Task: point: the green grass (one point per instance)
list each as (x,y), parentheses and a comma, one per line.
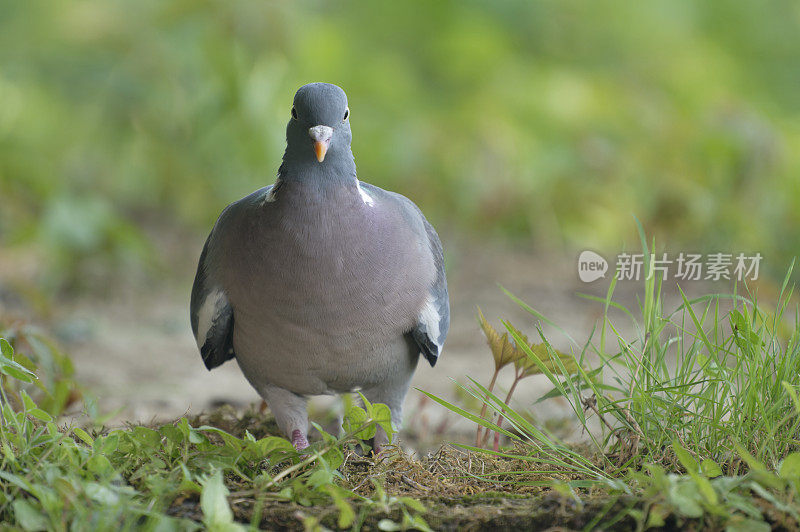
(698,407)
(82,478)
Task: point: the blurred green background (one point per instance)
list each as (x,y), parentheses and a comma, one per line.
(546,123)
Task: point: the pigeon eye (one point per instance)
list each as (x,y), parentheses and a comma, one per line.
(346,114)
(294,113)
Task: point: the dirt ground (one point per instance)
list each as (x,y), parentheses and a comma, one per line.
(133,348)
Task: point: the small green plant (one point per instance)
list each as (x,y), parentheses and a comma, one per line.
(54,387)
(506,352)
(698,409)
(54,478)
(370,417)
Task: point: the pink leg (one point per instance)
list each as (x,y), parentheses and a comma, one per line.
(289,410)
(299,440)
(379,442)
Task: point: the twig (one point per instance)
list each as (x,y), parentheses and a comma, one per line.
(413,483)
(517,378)
(478,436)
(590,403)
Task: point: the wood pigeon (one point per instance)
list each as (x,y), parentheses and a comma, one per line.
(321,283)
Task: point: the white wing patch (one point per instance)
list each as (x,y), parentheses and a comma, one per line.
(210,309)
(429,317)
(270,196)
(366,198)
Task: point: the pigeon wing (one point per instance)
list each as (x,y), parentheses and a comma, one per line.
(433,321)
(211,314)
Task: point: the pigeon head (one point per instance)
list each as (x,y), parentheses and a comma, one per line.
(319,127)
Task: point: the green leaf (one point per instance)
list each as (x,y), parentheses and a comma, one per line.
(686,459)
(415,522)
(685,496)
(334,457)
(108,444)
(102,494)
(749,458)
(387,525)
(758,471)
(383,416)
(11,368)
(40,414)
(790,467)
(173,434)
(743,504)
(8,453)
(319,478)
(414,504)
(28,517)
(354,419)
(146,437)
(190,434)
(17,480)
(379,413)
(705,487)
(793,395)
(743,332)
(100,465)
(657,516)
(709,468)
(29,403)
(739,523)
(346,513)
(5,348)
(83,435)
(187,483)
(214,501)
(230,440)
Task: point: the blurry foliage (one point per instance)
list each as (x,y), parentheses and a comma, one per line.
(54,389)
(149,478)
(553,120)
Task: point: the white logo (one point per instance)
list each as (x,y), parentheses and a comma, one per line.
(591,266)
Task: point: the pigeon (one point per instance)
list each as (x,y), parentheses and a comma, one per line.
(321,284)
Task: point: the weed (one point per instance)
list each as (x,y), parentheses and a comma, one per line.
(699,410)
(60,478)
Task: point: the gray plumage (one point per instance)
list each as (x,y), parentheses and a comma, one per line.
(320,283)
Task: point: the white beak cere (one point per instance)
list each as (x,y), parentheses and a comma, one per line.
(321,135)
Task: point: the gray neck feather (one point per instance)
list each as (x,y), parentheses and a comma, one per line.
(336,171)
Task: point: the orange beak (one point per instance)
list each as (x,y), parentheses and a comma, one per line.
(321,135)
(320,149)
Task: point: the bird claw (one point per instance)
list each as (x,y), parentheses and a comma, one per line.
(382,450)
(299,440)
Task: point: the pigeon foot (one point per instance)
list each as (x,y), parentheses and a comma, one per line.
(299,440)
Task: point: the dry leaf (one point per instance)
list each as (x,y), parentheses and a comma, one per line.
(506,351)
(503,350)
(523,361)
